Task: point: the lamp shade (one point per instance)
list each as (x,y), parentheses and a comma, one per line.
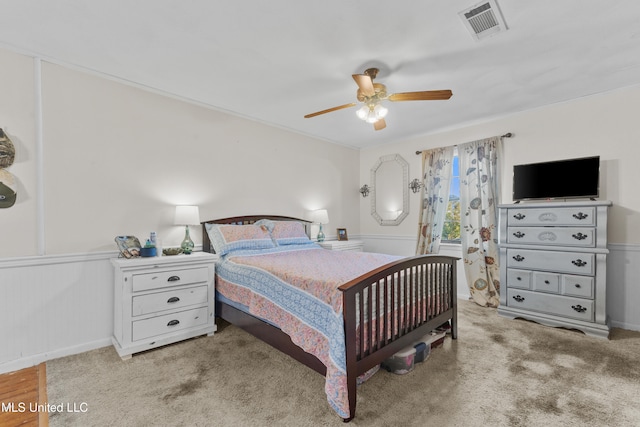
(187,215)
(321,216)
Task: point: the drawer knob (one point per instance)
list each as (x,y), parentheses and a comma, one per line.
(579,236)
(173,322)
(579,308)
(518,278)
(578,285)
(173,279)
(580,216)
(546,282)
(173,300)
(579,263)
(518,258)
(518,298)
(519,234)
(519,216)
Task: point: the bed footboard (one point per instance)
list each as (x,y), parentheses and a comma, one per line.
(393,306)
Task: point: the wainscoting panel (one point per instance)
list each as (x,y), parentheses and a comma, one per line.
(54,306)
(623,286)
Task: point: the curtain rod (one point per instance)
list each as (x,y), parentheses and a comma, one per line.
(506,135)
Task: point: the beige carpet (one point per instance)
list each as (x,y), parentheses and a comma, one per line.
(499,372)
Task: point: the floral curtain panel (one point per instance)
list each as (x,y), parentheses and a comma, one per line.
(479,195)
(436,179)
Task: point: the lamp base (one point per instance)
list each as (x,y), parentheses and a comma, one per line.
(320,234)
(187,244)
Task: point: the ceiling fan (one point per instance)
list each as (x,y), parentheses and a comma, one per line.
(372,94)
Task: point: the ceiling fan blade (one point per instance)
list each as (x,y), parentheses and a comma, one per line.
(427,95)
(380,124)
(329,110)
(365,84)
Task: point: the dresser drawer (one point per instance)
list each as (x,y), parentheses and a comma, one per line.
(563,262)
(167,323)
(558,236)
(579,286)
(520,279)
(169,300)
(552,216)
(546,282)
(165,279)
(575,308)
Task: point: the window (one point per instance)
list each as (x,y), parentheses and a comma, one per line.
(451,227)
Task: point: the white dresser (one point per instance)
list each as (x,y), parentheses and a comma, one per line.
(343,245)
(161,300)
(553,264)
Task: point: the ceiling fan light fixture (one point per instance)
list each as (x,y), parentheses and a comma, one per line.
(380,111)
(363,112)
(371,113)
(372,117)
(371,95)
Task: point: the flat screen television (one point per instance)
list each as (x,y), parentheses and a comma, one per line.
(560,179)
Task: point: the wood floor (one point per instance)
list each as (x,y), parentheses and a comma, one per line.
(21,394)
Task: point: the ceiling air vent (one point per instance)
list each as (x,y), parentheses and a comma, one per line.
(483,20)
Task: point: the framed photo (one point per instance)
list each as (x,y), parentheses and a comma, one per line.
(129,246)
(342,234)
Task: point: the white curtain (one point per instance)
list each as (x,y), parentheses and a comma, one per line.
(479,196)
(436,179)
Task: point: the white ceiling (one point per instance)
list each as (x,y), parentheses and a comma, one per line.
(275,61)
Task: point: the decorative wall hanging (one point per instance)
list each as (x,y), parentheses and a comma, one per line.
(7,181)
(7,189)
(7,150)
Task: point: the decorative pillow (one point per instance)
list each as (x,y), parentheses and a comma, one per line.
(226,237)
(289,233)
(266,223)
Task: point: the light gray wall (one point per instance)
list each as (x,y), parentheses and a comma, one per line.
(116,159)
(604,125)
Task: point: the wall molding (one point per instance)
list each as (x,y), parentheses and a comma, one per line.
(42,260)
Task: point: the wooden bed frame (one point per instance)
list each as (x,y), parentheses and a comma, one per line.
(430,275)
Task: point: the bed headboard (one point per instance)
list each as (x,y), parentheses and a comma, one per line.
(243,220)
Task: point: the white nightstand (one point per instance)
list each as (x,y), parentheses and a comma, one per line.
(343,245)
(161,300)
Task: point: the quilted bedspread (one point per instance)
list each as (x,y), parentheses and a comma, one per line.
(295,288)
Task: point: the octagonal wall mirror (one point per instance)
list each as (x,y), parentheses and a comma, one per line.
(390,193)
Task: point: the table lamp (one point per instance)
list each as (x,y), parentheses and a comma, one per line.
(187,215)
(319,217)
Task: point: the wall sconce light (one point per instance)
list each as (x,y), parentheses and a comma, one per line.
(364,190)
(415,185)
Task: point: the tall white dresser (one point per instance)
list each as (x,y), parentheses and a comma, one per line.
(553,264)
